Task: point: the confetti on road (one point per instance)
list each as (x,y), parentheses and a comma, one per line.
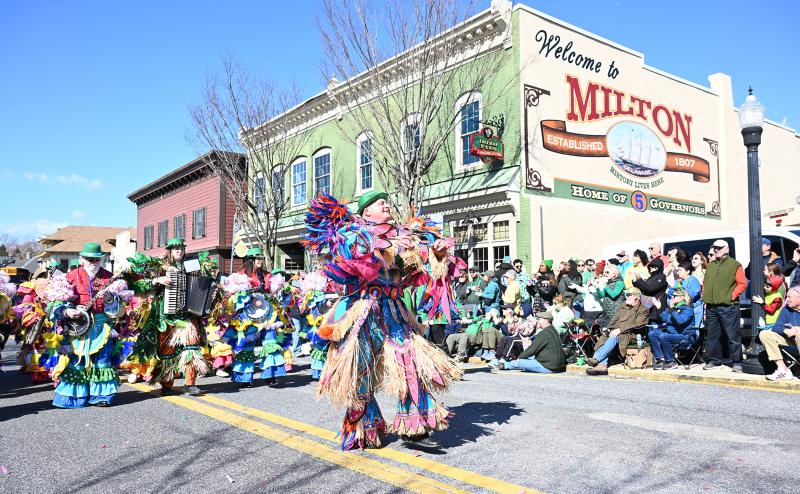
(3,470)
(229,478)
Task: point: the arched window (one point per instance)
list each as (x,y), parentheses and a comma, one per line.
(364,161)
(322,171)
(299,188)
(469,111)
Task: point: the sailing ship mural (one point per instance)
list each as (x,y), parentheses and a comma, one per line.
(636,149)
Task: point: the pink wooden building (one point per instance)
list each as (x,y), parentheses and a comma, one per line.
(192,203)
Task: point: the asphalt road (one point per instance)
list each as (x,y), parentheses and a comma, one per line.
(511,433)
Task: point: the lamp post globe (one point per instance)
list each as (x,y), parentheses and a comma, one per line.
(751,121)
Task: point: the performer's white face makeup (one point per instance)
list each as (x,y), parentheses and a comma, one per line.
(177,254)
(378,212)
(258,263)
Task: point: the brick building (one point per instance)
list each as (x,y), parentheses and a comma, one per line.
(189,202)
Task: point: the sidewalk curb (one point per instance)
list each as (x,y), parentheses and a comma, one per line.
(649,374)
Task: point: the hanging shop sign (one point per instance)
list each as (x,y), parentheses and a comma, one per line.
(486,145)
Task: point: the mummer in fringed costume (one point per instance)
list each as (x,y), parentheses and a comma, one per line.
(313,305)
(90,378)
(375,340)
(175,341)
(275,356)
(32,321)
(7,317)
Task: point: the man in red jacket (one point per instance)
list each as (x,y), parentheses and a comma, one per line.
(90,377)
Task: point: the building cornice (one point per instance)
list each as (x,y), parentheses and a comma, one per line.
(195,170)
(490,30)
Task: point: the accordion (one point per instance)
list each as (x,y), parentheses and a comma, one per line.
(188,293)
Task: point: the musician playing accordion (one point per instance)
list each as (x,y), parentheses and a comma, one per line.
(174,341)
(90,377)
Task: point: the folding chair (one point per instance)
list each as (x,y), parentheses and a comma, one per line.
(581,339)
(791,357)
(692,352)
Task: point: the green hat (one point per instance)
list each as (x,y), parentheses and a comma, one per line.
(74,263)
(370,197)
(91,250)
(254,252)
(175,242)
(276,271)
(52,264)
(548,263)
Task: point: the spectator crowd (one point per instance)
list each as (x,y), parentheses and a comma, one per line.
(660,306)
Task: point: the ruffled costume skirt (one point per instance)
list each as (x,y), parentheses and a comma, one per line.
(89,378)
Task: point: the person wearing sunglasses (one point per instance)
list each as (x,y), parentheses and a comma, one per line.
(724,283)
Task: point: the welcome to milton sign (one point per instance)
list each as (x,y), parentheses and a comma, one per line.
(645,144)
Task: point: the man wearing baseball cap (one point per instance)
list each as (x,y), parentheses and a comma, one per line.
(629,320)
(723,284)
(545,354)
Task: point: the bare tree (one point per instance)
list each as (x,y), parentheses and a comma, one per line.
(234,120)
(404,65)
(19,248)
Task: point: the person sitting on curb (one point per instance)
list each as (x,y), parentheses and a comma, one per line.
(489,335)
(460,342)
(621,330)
(678,320)
(545,355)
(785,332)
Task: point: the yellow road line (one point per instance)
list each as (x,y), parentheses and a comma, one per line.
(367,466)
(460,474)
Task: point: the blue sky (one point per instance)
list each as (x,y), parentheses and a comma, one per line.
(94,95)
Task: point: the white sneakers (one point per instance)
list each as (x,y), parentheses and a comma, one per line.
(781,375)
(222,373)
(132,378)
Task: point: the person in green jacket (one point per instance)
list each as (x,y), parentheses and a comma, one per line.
(545,355)
(460,342)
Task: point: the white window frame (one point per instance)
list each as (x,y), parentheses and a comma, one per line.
(196,233)
(411,119)
(305,183)
(262,194)
(279,180)
(490,243)
(148,237)
(163,239)
(322,152)
(464,100)
(363,137)
(182,233)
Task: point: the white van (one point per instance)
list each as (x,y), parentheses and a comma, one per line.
(784,241)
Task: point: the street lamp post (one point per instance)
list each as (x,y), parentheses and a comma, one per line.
(751,120)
